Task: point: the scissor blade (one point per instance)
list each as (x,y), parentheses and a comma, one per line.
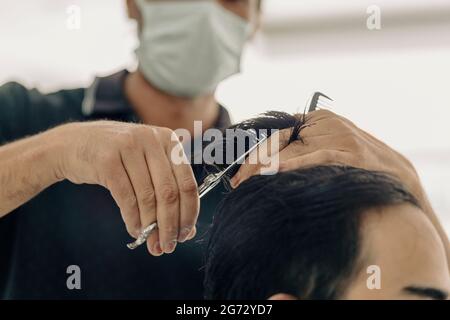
(242,157)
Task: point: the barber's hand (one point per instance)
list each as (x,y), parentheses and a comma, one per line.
(134,163)
(331,139)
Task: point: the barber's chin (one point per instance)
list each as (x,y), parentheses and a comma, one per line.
(282,296)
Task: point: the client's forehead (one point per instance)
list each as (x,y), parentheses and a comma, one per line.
(403,243)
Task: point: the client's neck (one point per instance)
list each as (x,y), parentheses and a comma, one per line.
(157,108)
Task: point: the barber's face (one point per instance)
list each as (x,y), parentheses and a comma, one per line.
(170,33)
(403,243)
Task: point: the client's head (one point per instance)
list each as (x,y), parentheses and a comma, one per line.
(327,232)
(316,233)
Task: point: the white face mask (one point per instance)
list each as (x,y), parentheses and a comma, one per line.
(188,47)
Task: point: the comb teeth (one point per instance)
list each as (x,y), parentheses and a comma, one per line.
(324,103)
(321,101)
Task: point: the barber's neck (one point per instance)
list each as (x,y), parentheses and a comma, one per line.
(157,108)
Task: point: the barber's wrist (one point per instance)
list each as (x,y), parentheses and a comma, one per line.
(55,145)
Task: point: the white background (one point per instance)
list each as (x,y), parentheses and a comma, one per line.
(393,82)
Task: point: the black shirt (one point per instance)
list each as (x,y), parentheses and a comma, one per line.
(70,224)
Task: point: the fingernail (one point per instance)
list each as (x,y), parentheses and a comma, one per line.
(234,180)
(269,171)
(157,251)
(192,234)
(184,234)
(234,184)
(134,233)
(169,247)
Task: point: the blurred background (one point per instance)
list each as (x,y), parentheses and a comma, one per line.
(393,82)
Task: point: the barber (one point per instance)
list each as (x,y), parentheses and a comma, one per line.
(89,171)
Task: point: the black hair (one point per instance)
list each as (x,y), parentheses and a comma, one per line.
(249,132)
(295,232)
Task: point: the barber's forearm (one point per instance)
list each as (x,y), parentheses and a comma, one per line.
(27,167)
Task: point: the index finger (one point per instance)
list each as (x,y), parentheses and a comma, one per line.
(166,191)
(189,201)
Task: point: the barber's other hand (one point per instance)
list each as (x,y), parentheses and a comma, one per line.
(133,162)
(332,139)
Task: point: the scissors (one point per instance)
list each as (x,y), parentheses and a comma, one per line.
(209,183)
(213,179)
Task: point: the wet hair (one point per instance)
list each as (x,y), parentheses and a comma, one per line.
(295,232)
(248,132)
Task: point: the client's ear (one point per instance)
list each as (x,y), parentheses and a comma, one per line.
(282,296)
